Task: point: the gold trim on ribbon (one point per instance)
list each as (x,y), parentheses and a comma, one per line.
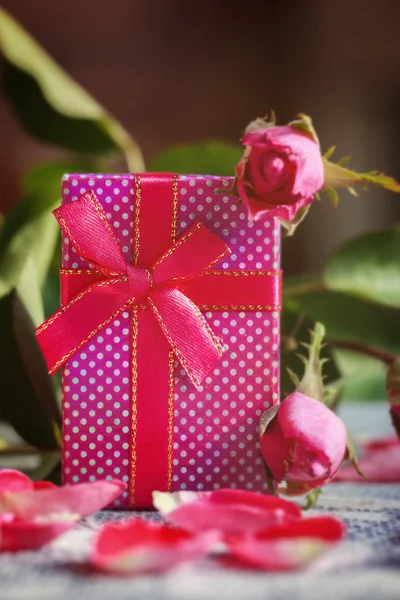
(171,395)
(132,461)
(171,407)
(89,337)
(174,225)
(136,223)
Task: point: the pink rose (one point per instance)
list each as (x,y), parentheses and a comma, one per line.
(280,172)
(304,443)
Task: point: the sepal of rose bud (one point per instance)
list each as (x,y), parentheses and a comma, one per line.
(261,123)
(336,176)
(312,383)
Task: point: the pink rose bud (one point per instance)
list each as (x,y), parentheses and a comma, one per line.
(303,443)
(280,172)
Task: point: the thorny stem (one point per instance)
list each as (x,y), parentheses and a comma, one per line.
(288,342)
(386,357)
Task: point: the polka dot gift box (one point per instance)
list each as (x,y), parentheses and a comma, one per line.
(168,333)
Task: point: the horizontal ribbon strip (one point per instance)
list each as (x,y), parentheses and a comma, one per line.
(217,290)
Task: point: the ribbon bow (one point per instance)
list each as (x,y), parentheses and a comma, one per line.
(123,285)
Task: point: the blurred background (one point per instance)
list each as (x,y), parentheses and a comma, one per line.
(182,71)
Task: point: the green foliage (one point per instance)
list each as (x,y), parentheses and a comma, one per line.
(357,297)
(212,158)
(368,267)
(27,399)
(29,235)
(352,319)
(51,105)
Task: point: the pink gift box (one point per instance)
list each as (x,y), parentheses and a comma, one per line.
(213,427)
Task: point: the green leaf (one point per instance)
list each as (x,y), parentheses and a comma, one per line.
(27,399)
(30,236)
(51,105)
(368,266)
(34,241)
(353,319)
(41,188)
(29,292)
(363,376)
(211,158)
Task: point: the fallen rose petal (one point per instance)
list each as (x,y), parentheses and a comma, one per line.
(325,527)
(381,443)
(166,502)
(232,512)
(138,546)
(82,499)
(380,463)
(14,481)
(17,535)
(43,485)
(290,546)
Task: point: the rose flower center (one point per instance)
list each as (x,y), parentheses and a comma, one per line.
(274,169)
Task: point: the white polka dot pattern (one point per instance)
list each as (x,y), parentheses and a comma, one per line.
(215,426)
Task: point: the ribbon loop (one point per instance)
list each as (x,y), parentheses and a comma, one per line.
(85,224)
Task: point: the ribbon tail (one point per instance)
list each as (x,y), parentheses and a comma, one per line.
(76,323)
(188,333)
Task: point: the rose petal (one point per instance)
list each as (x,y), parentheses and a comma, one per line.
(325,527)
(137,546)
(277,555)
(381,443)
(380,463)
(232,512)
(165,502)
(43,485)
(13,481)
(82,499)
(287,547)
(16,535)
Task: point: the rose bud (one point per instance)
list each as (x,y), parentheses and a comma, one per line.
(303,443)
(280,171)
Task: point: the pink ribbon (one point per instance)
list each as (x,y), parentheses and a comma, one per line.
(186,330)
